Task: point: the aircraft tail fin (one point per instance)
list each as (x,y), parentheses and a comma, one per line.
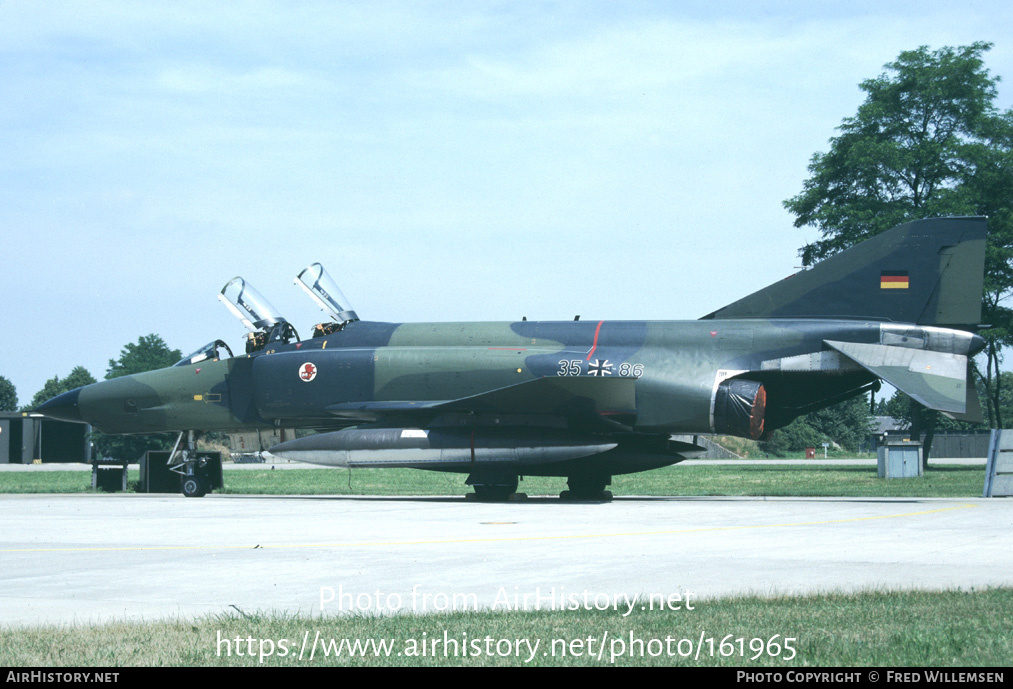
(929,272)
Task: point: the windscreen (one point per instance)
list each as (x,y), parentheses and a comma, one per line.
(325,292)
(208,351)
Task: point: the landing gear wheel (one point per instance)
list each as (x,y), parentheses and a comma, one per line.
(192,487)
(588,489)
(493,487)
(494,493)
(581,496)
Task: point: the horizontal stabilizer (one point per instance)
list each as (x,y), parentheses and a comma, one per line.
(973,412)
(937,380)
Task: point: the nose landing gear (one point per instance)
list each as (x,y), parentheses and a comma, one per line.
(199,472)
(193,486)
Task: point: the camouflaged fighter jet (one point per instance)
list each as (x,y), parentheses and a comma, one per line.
(585,400)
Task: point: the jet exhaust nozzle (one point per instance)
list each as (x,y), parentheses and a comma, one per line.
(739,408)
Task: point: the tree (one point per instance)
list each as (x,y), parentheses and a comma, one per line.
(78,377)
(989,187)
(846,424)
(899,406)
(8,395)
(796,436)
(928,141)
(147,354)
(906,153)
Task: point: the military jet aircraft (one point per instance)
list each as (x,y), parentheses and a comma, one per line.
(585,400)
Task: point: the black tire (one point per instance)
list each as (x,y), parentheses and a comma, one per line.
(192,487)
(494,493)
(592,488)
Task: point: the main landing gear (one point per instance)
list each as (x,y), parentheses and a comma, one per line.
(588,488)
(503,488)
(494,488)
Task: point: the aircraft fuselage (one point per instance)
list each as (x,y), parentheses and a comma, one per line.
(673,367)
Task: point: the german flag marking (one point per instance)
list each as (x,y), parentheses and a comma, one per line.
(894,279)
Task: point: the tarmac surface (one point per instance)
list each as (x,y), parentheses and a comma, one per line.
(288,465)
(89,558)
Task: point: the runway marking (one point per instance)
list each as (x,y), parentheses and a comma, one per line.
(447,541)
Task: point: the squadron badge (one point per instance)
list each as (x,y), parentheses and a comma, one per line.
(307,372)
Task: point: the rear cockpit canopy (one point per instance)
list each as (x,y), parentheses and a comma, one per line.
(317,283)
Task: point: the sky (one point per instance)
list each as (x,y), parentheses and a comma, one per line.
(445,161)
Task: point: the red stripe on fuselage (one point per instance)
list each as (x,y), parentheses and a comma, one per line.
(595,345)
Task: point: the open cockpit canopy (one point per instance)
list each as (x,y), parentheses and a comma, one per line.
(257,314)
(317,283)
(249,306)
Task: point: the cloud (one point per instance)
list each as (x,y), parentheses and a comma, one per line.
(205,78)
(634,58)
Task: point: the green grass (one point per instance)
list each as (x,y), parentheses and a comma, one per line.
(751,449)
(771,480)
(880,629)
(51,481)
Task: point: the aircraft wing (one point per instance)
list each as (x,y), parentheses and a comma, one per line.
(564,396)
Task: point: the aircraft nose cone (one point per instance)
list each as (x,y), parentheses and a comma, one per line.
(64,407)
